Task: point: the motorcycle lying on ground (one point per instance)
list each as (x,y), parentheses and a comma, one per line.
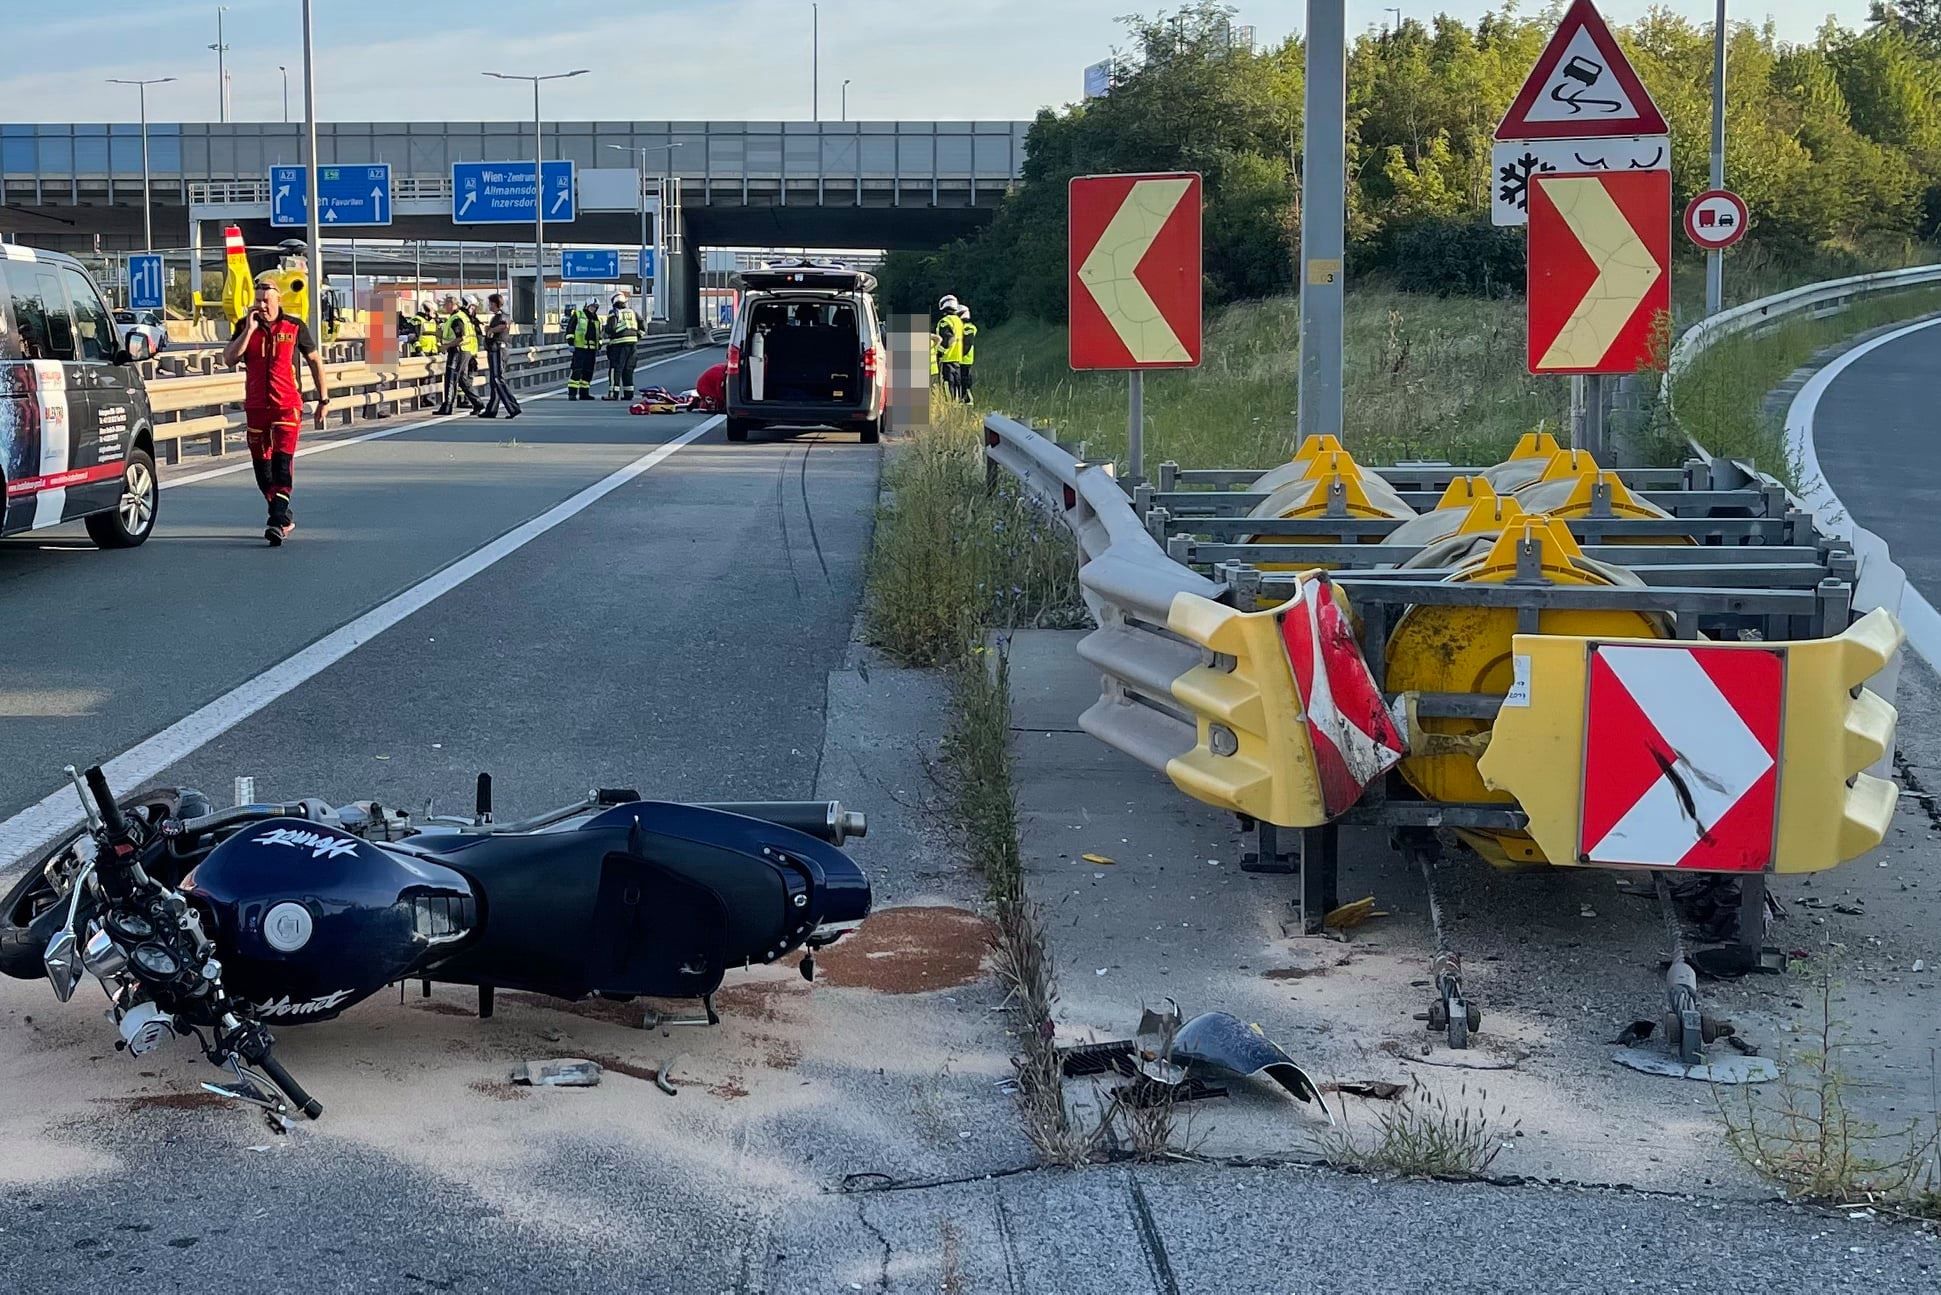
(214,923)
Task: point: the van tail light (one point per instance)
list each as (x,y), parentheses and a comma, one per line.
(870,360)
(734,359)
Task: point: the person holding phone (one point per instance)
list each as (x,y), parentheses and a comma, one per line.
(271,345)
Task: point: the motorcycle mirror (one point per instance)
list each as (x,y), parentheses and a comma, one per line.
(63,960)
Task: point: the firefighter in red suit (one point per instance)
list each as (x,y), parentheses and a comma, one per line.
(270,345)
(711,390)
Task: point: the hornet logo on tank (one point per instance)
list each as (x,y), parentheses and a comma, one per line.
(320,844)
(284,1007)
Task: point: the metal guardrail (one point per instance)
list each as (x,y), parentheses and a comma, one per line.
(208,408)
(1768,312)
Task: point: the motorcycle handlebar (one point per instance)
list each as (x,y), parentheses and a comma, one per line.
(309,1105)
(826,820)
(104,802)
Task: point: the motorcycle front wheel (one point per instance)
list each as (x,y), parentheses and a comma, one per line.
(33,910)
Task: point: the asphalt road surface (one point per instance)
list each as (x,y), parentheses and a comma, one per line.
(1879,444)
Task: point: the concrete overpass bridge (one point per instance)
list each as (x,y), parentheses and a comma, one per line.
(862,184)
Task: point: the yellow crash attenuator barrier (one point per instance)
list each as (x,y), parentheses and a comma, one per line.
(1466,649)
(1742,756)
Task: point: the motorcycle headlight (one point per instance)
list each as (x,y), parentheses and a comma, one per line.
(102,956)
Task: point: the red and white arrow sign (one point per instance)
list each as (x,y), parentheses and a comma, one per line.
(1135,271)
(1354,737)
(1681,749)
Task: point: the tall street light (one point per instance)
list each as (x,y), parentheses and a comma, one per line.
(141,90)
(660,225)
(845,97)
(221,47)
(815,62)
(284,69)
(315,232)
(538,191)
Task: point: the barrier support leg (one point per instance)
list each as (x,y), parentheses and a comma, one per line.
(1320,867)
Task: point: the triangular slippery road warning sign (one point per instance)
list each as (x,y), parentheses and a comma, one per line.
(1582,87)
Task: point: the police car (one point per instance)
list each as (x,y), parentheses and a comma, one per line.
(76,436)
(806,351)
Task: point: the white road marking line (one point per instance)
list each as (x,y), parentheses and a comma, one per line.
(417,425)
(1893,590)
(133,768)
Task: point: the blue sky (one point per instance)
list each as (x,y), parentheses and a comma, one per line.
(385,60)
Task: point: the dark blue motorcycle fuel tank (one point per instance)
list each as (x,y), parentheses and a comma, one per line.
(310,919)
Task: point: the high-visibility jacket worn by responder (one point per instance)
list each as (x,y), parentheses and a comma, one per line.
(462,336)
(967,366)
(950,333)
(585,337)
(623,342)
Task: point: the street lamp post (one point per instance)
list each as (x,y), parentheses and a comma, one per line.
(660,223)
(1715,259)
(815,62)
(314,231)
(538,192)
(845,98)
(141,91)
(284,69)
(221,47)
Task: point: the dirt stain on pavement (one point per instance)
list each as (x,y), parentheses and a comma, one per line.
(910,951)
(197,1100)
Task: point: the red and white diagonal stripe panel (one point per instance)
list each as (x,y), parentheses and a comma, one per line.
(1681,748)
(1355,739)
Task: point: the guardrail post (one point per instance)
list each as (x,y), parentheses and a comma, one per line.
(1168,475)
(1245,581)
(1142,500)
(1156,520)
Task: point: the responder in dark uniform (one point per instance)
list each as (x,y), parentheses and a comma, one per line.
(497,390)
(585,337)
(623,342)
(460,339)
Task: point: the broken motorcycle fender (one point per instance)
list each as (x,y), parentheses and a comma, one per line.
(1710,757)
(1290,726)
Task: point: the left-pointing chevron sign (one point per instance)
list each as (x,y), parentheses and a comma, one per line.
(1135,271)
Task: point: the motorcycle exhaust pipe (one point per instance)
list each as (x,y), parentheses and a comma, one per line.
(826,820)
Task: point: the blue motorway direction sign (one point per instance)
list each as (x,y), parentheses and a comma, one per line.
(589,267)
(644,265)
(347,195)
(145,282)
(500,193)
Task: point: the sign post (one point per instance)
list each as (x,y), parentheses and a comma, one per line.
(1324,218)
(1583,156)
(1134,266)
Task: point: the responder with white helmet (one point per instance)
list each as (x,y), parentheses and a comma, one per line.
(623,343)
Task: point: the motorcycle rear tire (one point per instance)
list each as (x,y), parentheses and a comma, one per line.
(23,931)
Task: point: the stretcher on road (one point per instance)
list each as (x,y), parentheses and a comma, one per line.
(1544,662)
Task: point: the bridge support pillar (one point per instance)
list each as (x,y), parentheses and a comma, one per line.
(684,288)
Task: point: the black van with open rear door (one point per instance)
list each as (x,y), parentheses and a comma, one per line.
(76,437)
(806,351)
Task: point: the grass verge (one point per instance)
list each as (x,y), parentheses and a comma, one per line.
(1426,377)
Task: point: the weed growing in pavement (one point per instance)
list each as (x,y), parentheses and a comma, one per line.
(1424,1135)
(1803,1135)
